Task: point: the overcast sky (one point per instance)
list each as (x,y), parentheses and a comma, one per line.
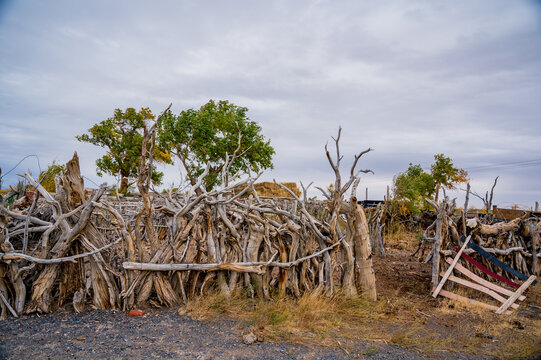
(408,78)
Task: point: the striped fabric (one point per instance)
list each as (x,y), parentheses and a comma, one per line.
(487,271)
(478,249)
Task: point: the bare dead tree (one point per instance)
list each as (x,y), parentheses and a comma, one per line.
(487,201)
(357,244)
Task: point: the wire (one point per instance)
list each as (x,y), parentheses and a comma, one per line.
(501,166)
(507,165)
(24,158)
(84,177)
(500,169)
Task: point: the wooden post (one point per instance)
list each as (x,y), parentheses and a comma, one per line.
(437,244)
(450,269)
(366,198)
(536,203)
(454,296)
(465,211)
(515,296)
(363,254)
(534,231)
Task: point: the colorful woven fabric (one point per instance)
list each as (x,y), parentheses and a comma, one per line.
(486,270)
(495,261)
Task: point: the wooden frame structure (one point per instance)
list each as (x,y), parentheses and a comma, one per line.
(495,291)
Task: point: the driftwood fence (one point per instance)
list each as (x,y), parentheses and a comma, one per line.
(76,247)
(515,243)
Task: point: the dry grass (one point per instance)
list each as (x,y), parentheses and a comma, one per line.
(451,326)
(272,190)
(482,331)
(405,315)
(400,238)
(310,317)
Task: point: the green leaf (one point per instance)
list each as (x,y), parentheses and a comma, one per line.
(208,135)
(122,136)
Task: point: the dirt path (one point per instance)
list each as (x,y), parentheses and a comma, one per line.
(160,334)
(163,334)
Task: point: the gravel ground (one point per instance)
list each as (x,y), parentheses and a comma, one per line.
(160,334)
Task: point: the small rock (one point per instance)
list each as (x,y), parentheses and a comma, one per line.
(81,338)
(249,338)
(136,313)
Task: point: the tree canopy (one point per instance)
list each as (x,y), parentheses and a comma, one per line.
(122,136)
(445,174)
(47,176)
(414,185)
(210,135)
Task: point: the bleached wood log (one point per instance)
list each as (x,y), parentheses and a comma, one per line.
(213,267)
(451,267)
(31,219)
(6,303)
(516,295)
(484,282)
(239,267)
(495,229)
(20,256)
(481,288)
(454,296)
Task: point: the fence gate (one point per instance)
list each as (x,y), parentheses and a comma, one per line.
(506,297)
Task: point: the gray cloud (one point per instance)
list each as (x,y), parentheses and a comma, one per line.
(409,79)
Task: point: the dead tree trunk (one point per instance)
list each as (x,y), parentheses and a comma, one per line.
(359,235)
(363,254)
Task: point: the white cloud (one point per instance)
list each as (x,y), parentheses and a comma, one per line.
(410,79)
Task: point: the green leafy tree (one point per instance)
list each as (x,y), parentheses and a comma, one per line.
(413,186)
(47,176)
(122,136)
(445,174)
(209,135)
